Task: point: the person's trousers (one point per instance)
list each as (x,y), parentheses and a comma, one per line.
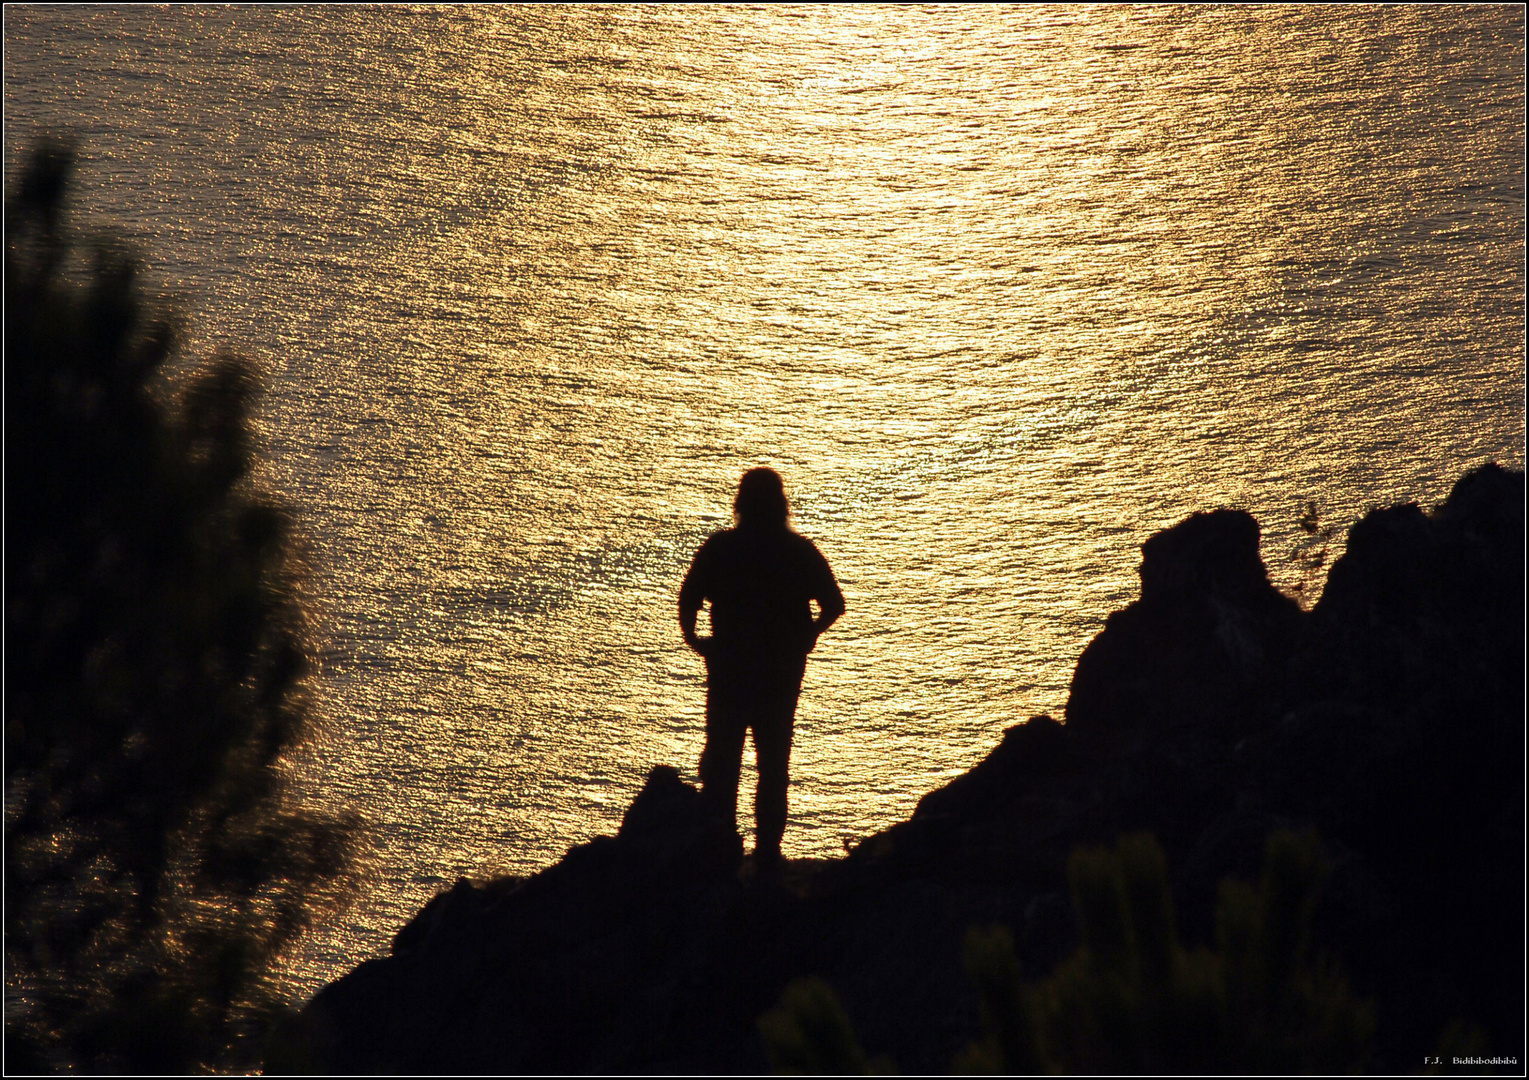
(758,695)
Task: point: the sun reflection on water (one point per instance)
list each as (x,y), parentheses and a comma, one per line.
(999,292)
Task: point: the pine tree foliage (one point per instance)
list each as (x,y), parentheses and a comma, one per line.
(157,865)
(808,1033)
(1133,1000)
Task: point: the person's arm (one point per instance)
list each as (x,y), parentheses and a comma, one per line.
(692,596)
(687,628)
(830,600)
(831,607)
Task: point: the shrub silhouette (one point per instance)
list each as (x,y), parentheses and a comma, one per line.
(156,864)
(809,1034)
(1133,1000)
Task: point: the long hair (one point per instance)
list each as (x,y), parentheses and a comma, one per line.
(761,500)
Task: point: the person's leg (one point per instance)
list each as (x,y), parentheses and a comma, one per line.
(772,724)
(772,753)
(722,758)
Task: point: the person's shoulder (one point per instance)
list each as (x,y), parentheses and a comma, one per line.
(717,543)
(709,559)
(803,545)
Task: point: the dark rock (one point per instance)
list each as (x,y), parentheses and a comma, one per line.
(1390,720)
(1028,751)
(1417,601)
(449,912)
(671,831)
(1211,554)
(570,959)
(1412,672)
(1210,637)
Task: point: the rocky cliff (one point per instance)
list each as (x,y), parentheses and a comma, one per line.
(1390,719)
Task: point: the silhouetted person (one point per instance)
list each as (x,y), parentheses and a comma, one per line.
(759,576)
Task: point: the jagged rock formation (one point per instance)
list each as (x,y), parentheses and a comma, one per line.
(1208,640)
(584,962)
(1390,719)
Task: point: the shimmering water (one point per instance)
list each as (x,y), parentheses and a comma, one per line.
(999,291)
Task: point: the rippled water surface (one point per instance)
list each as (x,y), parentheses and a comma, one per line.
(1000,293)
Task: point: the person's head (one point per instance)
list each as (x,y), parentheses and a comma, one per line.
(761,500)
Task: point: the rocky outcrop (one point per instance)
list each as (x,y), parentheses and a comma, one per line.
(1209,639)
(585,962)
(1212,710)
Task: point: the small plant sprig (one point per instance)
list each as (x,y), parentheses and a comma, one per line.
(1310,551)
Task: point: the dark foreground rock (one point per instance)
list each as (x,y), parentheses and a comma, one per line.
(1211,711)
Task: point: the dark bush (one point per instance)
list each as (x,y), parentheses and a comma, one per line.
(1134,1000)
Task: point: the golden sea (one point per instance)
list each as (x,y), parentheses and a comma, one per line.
(1000,291)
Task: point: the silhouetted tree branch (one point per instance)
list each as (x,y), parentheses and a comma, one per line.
(156,863)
